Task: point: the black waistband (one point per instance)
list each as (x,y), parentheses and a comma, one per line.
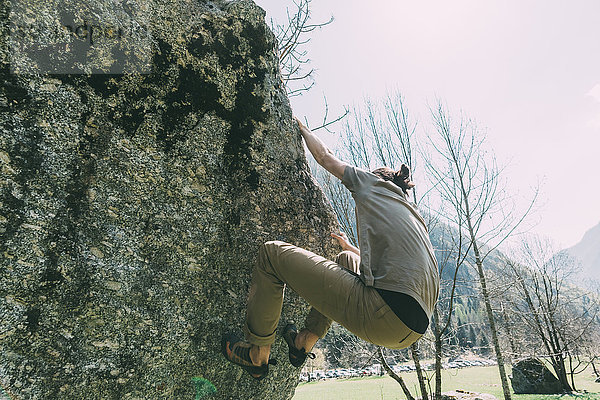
(407,309)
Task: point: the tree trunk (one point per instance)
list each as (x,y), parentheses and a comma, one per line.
(395,376)
(513,347)
(414,352)
(560,351)
(490,315)
(572,373)
(438,353)
(595,370)
(558,362)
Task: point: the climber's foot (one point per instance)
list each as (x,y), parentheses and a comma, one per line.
(297,356)
(238,351)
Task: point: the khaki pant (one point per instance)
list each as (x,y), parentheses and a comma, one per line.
(333,289)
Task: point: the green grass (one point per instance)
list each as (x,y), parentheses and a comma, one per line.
(475,379)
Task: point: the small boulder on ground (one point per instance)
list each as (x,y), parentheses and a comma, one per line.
(466,395)
(532,376)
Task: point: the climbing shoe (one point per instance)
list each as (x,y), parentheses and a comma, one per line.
(297,356)
(237,351)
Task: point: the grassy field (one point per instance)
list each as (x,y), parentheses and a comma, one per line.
(474,379)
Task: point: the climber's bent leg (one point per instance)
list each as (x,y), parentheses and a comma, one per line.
(316,322)
(327,286)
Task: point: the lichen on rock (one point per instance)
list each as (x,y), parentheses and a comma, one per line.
(136,184)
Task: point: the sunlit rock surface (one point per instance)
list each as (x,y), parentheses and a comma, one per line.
(132,204)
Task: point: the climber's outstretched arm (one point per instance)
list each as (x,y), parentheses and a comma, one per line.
(321,153)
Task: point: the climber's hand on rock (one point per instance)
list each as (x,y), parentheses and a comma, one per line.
(342,239)
(323,156)
(303,129)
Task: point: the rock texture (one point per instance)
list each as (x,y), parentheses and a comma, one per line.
(132,204)
(532,376)
(466,395)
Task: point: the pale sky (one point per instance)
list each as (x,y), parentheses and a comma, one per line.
(528,72)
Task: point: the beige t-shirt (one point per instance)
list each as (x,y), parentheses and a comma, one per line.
(395,251)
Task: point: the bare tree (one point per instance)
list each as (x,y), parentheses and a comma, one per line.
(559,317)
(292,38)
(395,376)
(468,181)
(422,378)
(454,254)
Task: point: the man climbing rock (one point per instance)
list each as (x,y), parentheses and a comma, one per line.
(384,293)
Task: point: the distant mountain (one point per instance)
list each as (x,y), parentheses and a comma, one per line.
(588,252)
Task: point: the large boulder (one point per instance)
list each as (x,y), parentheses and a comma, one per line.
(532,376)
(132,204)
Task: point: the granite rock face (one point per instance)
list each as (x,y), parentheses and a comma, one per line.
(132,204)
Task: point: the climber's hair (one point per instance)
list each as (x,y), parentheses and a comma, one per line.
(400,178)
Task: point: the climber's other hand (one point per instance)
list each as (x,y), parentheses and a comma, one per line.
(342,239)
